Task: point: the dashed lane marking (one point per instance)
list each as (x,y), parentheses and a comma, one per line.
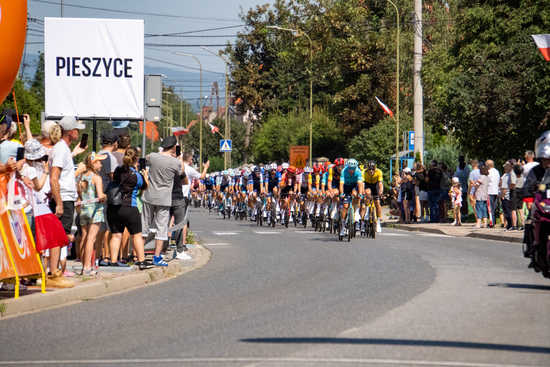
(267,232)
(225,233)
(218,244)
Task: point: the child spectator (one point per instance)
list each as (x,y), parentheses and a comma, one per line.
(90,191)
(456,200)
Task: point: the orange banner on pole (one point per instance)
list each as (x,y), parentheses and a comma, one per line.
(299,155)
(16,236)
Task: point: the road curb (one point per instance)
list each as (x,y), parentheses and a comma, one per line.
(102,287)
(484,236)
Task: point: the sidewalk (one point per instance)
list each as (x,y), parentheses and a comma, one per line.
(110,280)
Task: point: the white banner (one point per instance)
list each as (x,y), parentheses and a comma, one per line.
(94,67)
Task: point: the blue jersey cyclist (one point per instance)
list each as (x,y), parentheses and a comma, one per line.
(351,178)
(351,183)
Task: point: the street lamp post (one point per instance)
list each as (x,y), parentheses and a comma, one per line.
(397,90)
(299,33)
(200,100)
(226,155)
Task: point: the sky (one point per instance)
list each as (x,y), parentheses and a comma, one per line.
(174,16)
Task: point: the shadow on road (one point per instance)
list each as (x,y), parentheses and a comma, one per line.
(521,286)
(403,342)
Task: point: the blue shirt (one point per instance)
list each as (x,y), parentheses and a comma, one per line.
(351,178)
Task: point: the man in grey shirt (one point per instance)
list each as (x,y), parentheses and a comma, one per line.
(157,199)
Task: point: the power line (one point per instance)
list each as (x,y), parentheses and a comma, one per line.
(133,12)
(181,65)
(181,45)
(189,32)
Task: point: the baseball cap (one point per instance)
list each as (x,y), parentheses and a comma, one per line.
(108,137)
(70,123)
(407,170)
(34,150)
(169,142)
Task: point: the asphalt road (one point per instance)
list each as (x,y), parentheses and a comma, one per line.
(276,297)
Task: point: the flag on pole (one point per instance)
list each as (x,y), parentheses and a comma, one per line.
(179,130)
(213,128)
(543,43)
(384,107)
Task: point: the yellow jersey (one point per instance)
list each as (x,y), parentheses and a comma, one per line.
(374,178)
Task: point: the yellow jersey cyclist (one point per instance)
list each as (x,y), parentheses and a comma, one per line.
(373,180)
(351,183)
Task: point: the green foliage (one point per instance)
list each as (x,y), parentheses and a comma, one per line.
(446,152)
(27,102)
(490,85)
(272,142)
(378,143)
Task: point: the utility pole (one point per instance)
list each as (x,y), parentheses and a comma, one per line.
(418,93)
(61,4)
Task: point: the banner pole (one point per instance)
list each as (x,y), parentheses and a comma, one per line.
(144,138)
(29,233)
(94,135)
(12,261)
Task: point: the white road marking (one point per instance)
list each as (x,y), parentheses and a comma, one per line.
(218,244)
(433,235)
(267,232)
(307,232)
(225,233)
(395,362)
(393,234)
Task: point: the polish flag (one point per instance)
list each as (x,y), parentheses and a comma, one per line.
(384,107)
(543,43)
(213,128)
(179,130)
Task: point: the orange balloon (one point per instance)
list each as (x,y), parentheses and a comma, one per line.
(13,25)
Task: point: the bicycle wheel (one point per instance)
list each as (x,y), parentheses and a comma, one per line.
(351,225)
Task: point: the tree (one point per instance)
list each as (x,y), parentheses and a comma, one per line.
(273,141)
(492,86)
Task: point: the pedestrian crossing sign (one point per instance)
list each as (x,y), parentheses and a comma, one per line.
(225,145)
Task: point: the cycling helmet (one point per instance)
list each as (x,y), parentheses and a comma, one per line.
(317,168)
(352,163)
(285,165)
(231,173)
(256,169)
(371,165)
(308,169)
(292,169)
(339,162)
(542,145)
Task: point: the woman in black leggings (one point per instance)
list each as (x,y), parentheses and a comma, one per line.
(127,215)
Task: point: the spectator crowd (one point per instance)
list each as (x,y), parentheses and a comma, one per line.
(430,194)
(103,210)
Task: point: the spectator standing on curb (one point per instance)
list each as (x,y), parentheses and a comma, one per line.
(444,198)
(517,202)
(92,214)
(481,187)
(421,175)
(463,172)
(157,199)
(178,210)
(64,193)
(472,179)
(126,214)
(507,184)
(434,191)
(192,174)
(529,165)
(407,194)
(108,166)
(494,180)
(456,201)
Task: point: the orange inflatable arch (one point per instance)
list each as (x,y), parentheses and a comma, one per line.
(13,25)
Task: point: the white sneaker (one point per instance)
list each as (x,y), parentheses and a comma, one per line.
(183,256)
(378,227)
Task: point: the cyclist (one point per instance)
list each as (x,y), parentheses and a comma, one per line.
(255,187)
(334,174)
(351,183)
(373,179)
